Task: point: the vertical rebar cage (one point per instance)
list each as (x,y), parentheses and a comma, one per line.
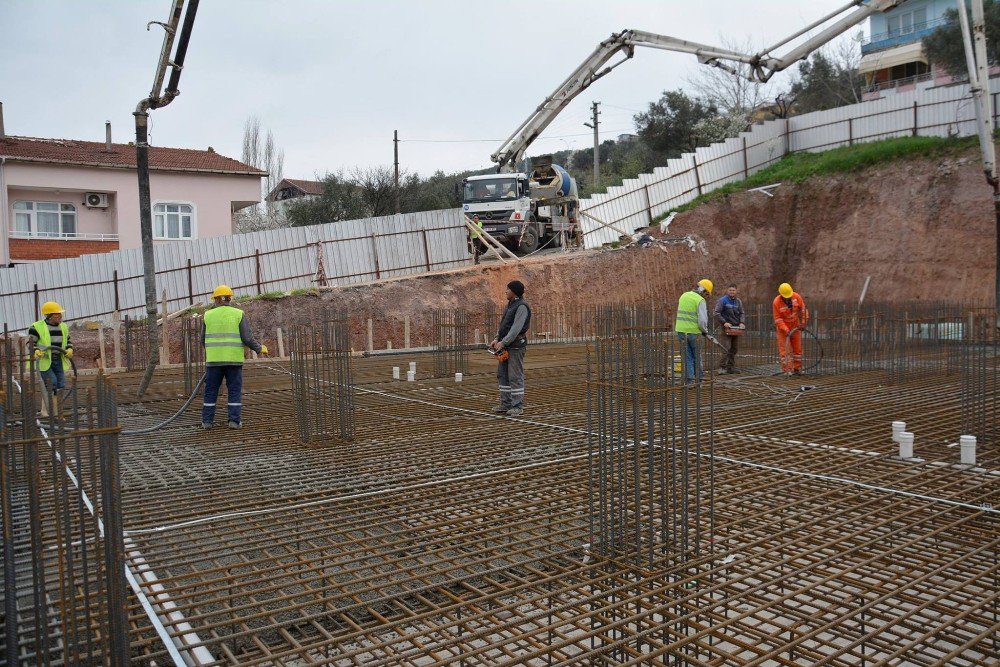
(136,344)
(65,599)
(321,381)
(651,444)
(194,351)
(451,353)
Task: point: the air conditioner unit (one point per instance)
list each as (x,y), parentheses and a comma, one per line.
(96,200)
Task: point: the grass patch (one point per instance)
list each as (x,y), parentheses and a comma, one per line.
(798,167)
(312,291)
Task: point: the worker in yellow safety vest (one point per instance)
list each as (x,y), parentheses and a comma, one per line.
(226,332)
(690,325)
(51,350)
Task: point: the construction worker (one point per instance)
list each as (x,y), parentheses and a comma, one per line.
(692,322)
(476,239)
(512,337)
(730,314)
(51,350)
(790,316)
(225,332)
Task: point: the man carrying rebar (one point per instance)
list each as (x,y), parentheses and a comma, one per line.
(730,314)
(512,339)
(692,322)
(51,350)
(790,317)
(225,332)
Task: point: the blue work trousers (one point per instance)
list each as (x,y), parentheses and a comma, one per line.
(55,377)
(233,375)
(692,359)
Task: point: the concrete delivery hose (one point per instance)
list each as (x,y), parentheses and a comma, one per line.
(169,420)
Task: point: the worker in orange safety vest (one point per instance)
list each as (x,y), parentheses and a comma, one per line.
(790,317)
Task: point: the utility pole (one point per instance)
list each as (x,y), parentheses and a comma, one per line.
(597,143)
(395,164)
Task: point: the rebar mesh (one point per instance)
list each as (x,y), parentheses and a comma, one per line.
(321,381)
(451,354)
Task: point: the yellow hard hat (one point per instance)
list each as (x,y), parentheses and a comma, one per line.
(785,290)
(51,307)
(222,290)
(707,284)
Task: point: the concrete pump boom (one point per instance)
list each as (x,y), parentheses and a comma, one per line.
(762,66)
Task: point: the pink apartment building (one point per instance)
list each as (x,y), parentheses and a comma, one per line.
(65,198)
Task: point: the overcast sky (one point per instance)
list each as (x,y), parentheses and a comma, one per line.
(333,78)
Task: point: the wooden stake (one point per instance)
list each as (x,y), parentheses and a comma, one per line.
(118,339)
(281,344)
(406,332)
(100,344)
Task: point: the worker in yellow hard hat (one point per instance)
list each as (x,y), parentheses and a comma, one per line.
(51,351)
(790,317)
(226,331)
(691,323)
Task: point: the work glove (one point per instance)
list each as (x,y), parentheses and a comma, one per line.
(263,350)
(69,353)
(39,354)
(783,330)
(742,326)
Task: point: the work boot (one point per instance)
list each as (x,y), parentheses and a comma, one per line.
(499,410)
(207,425)
(233,424)
(515,412)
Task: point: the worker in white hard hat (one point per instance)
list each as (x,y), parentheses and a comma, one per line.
(51,351)
(226,332)
(691,324)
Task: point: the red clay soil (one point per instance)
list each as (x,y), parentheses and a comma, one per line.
(922,229)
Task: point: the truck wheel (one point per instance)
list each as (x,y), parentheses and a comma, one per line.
(529,242)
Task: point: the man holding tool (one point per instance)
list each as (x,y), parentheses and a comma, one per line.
(790,317)
(730,314)
(692,322)
(511,340)
(51,351)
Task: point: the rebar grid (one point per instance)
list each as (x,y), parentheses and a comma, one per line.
(443,535)
(451,353)
(64,595)
(321,381)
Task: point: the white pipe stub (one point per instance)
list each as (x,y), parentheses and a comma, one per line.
(967,446)
(413,367)
(458,377)
(905,445)
(411,376)
(897,428)
(395,372)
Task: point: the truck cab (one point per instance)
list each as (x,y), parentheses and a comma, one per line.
(523,211)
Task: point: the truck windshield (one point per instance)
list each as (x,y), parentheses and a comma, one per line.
(495,189)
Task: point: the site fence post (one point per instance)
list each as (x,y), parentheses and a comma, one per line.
(746,164)
(850,131)
(190,284)
(649,205)
(427,252)
(915,126)
(697,178)
(788,136)
(38,305)
(256,256)
(118,304)
(378,271)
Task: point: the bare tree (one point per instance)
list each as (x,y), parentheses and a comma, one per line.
(377,186)
(733,95)
(260,151)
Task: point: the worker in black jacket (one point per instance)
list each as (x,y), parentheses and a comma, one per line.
(512,337)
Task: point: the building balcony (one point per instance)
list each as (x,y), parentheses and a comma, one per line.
(887,40)
(41,246)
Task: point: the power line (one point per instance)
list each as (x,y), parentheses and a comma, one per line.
(468,141)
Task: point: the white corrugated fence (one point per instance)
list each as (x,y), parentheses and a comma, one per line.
(93,287)
(926,111)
